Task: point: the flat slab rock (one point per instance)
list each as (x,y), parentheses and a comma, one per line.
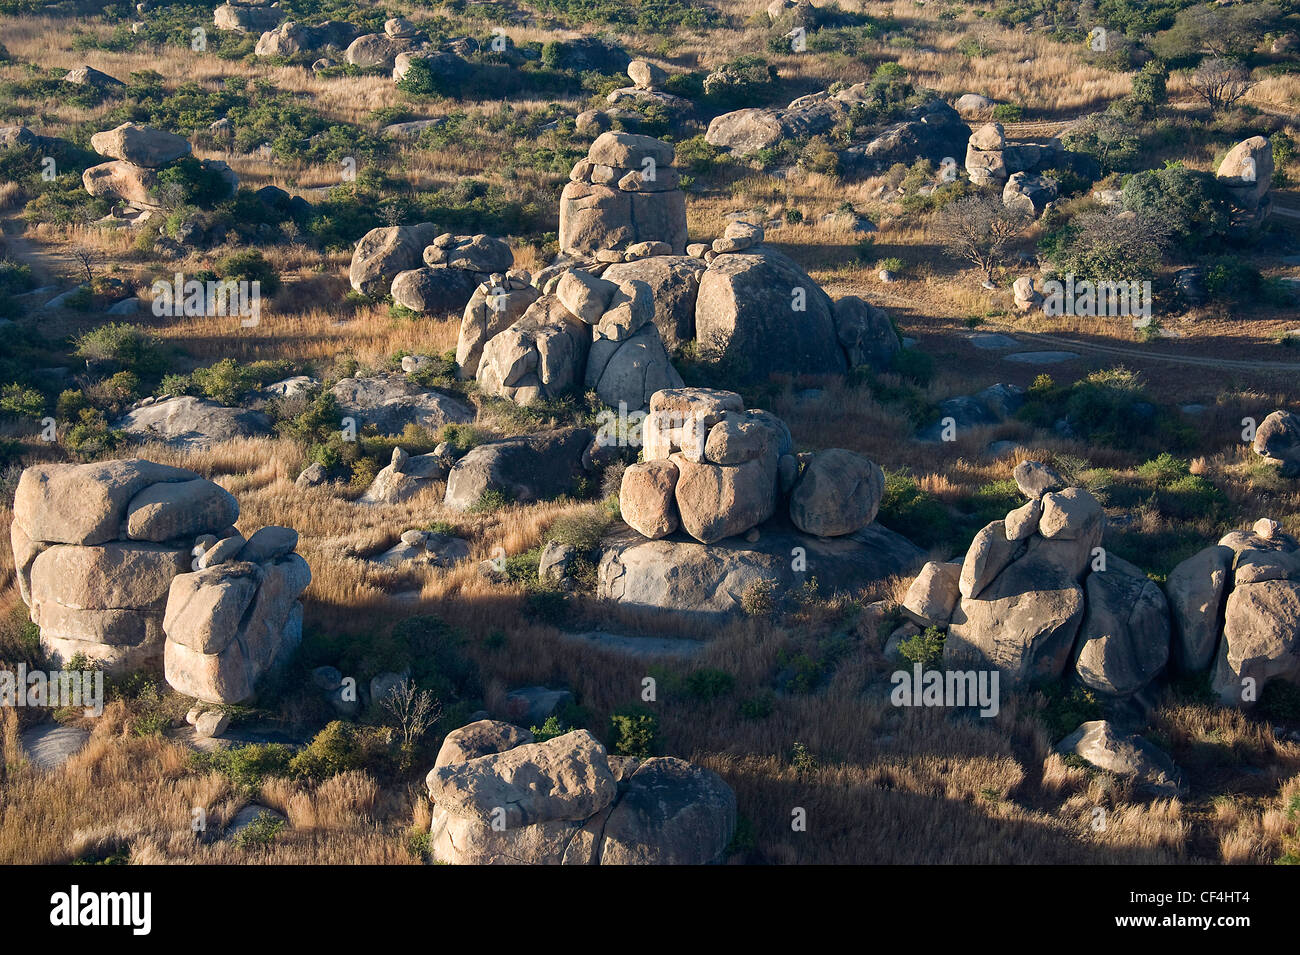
(1041,357)
(989,341)
(50,745)
(637,646)
(708,581)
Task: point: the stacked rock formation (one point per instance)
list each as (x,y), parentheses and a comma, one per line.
(626,191)
(1236,608)
(137,154)
(96,547)
(500,799)
(586,332)
(1036,596)
(716,471)
(991,159)
(1247,173)
(119,560)
(236,616)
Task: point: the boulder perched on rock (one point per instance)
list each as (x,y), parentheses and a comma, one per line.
(140,145)
(382,253)
(624,192)
(535,467)
(760,314)
(500,798)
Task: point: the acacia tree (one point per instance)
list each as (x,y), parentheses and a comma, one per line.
(979,229)
(1220,82)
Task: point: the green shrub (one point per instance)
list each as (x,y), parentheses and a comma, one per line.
(247,767)
(925,648)
(261,832)
(1067,707)
(124,345)
(634,731)
(340,747)
(709,684)
(249,265)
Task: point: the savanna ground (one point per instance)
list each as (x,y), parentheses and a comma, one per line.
(790,702)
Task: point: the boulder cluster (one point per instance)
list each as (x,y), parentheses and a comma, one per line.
(247,16)
(137,155)
(137,565)
(624,192)
(931,130)
(714,470)
(990,159)
(499,798)
(424,270)
(626,292)
(1037,596)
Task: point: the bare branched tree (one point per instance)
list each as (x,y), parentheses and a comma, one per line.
(88,258)
(979,229)
(413,710)
(1220,82)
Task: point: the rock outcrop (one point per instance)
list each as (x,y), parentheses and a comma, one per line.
(500,798)
(119,560)
(626,191)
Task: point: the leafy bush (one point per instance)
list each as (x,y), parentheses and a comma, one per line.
(247,767)
(634,731)
(342,746)
(261,832)
(925,648)
(709,684)
(124,345)
(249,265)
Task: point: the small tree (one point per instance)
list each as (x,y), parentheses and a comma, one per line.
(413,711)
(1220,82)
(979,229)
(88,258)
